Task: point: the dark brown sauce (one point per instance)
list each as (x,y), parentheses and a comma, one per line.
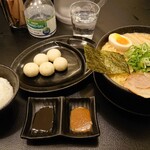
(43,120)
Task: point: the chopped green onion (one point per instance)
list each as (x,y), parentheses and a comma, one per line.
(138,57)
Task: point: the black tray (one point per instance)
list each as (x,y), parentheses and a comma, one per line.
(62,107)
(72,48)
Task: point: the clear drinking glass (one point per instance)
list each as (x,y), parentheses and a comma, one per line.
(84,15)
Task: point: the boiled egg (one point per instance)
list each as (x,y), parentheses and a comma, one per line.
(119,41)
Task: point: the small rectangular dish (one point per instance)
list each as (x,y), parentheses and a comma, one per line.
(40,123)
(79,118)
(48,117)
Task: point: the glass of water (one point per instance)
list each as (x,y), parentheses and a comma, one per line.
(84,15)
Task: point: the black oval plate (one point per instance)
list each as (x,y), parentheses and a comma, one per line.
(71,48)
(116,94)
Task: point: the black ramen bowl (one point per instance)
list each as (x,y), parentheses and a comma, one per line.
(115,93)
(8,74)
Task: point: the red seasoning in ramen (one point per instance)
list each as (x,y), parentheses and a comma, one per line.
(80,120)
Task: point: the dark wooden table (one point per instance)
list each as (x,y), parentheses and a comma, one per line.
(119,129)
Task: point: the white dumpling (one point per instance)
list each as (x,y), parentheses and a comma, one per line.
(60,64)
(53,54)
(40,58)
(31,69)
(47,69)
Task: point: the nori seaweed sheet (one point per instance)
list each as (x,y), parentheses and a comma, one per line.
(106,62)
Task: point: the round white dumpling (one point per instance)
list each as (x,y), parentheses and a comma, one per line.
(47,69)
(60,64)
(31,69)
(40,58)
(53,54)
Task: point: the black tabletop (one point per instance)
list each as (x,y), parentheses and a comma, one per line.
(118,129)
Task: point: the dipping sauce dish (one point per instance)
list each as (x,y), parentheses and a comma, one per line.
(49,117)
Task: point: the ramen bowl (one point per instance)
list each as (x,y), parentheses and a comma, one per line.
(115,93)
(9,85)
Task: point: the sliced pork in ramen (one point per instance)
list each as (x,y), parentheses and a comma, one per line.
(139,83)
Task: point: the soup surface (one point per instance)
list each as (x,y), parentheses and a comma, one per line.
(121,79)
(136,38)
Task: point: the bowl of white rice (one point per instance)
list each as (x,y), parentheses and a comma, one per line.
(9,85)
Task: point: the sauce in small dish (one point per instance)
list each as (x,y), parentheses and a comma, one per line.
(80,120)
(43,120)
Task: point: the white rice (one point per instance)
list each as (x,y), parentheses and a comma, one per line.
(6,92)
